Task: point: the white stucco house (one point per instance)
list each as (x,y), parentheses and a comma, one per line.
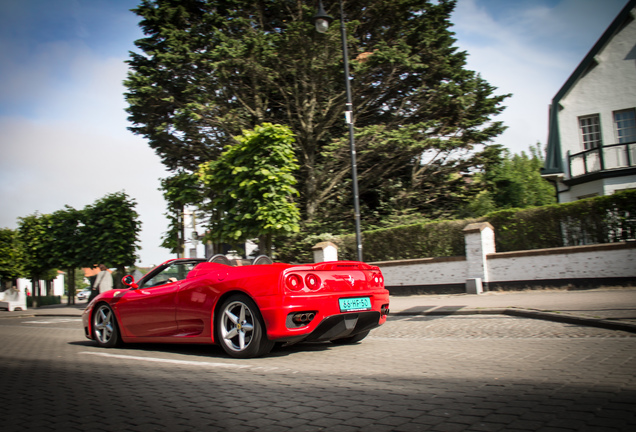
(591,148)
(57,285)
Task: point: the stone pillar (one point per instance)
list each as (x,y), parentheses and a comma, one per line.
(480,241)
(325,251)
(474,286)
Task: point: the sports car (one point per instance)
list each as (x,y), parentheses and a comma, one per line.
(245,309)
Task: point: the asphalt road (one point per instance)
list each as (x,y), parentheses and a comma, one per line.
(416,373)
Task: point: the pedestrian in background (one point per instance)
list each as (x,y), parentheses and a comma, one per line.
(93,288)
(103,282)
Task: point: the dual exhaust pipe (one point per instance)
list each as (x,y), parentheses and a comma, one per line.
(303,317)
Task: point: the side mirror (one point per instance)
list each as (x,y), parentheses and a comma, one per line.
(129,281)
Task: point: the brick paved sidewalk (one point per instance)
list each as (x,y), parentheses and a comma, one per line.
(613,308)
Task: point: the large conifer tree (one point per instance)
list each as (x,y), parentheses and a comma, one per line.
(209,68)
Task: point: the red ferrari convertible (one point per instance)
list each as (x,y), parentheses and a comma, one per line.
(245,309)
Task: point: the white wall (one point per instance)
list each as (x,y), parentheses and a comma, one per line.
(599,187)
(429,271)
(580,263)
(57,286)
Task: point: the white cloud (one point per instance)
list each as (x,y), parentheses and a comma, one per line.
(529,48)
(64,138)
(46,166)
(64,130)
(76,149)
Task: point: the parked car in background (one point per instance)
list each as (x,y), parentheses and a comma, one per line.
(84,294)
(244,309)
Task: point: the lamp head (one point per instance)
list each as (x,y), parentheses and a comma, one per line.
(321,19)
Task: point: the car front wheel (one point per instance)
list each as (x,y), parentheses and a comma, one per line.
(105,329)
(240,330)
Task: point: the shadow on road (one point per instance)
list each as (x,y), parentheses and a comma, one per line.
(209,351)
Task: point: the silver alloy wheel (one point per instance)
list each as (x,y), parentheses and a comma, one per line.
(237,326)
(104,324)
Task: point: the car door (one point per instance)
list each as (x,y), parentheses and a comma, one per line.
(149,312)
(196,298)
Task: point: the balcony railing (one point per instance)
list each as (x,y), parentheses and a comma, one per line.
(602,159)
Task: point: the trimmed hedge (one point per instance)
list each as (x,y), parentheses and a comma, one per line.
(44,301)
(604,219)
(433,239)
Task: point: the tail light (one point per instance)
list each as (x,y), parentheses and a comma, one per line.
(377,279)
(294,282)
(312,281)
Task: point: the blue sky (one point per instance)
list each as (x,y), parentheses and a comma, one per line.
(63,136)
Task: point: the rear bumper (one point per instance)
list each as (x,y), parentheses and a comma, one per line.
(340,326)
(329,322)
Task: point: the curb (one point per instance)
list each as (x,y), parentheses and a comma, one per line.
(33,315)
(37,312)
(561,317)
(530,313)
(572,319)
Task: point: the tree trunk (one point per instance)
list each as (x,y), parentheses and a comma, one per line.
(181,240)
(121,272)
(71,286)
(265,245)
(35,288)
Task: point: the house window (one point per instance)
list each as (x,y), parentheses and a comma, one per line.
(625,125)
(590,131)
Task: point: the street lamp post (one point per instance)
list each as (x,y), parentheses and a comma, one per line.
(322,20)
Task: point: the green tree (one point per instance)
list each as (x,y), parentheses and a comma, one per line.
(35,238)
(252,185)
(179,190)
(208,69)
(68,244)
(111,231)
(11,257)
(512,181)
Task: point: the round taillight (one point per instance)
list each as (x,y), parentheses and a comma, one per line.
(294,282)
(312,281)
(377,279)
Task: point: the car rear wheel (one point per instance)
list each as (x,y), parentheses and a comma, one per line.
(105,329)
(240,330)
(352,339)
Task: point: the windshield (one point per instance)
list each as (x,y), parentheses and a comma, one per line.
(173,272)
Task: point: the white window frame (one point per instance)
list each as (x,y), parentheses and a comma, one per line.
(590,131)
(625,127)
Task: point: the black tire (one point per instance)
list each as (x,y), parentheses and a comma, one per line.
(105,328)
(351,339)
(239,328)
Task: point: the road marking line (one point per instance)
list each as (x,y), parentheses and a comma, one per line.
(55,321)
(160,360)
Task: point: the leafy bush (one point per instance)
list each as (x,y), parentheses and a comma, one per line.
(44,301)
(605,219)
(433,239)
(298,249)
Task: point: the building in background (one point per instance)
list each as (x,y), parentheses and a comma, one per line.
(591,147)
(57,287)
(195,246)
